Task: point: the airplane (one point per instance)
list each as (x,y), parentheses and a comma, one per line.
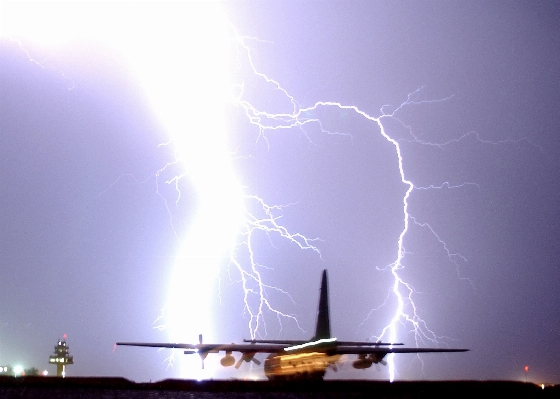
(297,359)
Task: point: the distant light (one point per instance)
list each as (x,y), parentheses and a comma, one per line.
(542,386)
(18,370)
(526,368)
(45,373)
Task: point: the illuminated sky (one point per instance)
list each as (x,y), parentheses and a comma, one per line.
(86,243)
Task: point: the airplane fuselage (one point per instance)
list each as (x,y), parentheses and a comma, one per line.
(295,366)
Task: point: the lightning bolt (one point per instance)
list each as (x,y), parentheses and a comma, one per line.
(181,55)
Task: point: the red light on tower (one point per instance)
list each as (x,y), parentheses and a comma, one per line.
(526,368)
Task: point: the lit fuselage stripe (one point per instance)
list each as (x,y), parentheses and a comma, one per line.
(308,344)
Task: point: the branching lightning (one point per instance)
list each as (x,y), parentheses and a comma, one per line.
(406,311)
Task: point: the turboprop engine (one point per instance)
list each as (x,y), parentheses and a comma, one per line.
(362,363)
(227,360)
(365,361)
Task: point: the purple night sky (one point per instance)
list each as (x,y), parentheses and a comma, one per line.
(86,242)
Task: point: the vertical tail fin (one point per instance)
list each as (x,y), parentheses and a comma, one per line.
(323,328)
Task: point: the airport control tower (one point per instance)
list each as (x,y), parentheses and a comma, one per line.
(61,357)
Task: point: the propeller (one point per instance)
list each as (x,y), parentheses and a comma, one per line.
(202,355)
(247,357)
(337,365)
(383,362)
(199,350)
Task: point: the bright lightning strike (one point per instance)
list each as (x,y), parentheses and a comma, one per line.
(180,53)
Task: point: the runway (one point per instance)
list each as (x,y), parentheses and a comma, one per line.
(110,387)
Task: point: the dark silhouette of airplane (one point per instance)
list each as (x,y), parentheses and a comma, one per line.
(293,359)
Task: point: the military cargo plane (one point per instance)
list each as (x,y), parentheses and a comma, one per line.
(297,359)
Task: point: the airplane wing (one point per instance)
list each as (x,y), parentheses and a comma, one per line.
(364,350)
(212,348)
